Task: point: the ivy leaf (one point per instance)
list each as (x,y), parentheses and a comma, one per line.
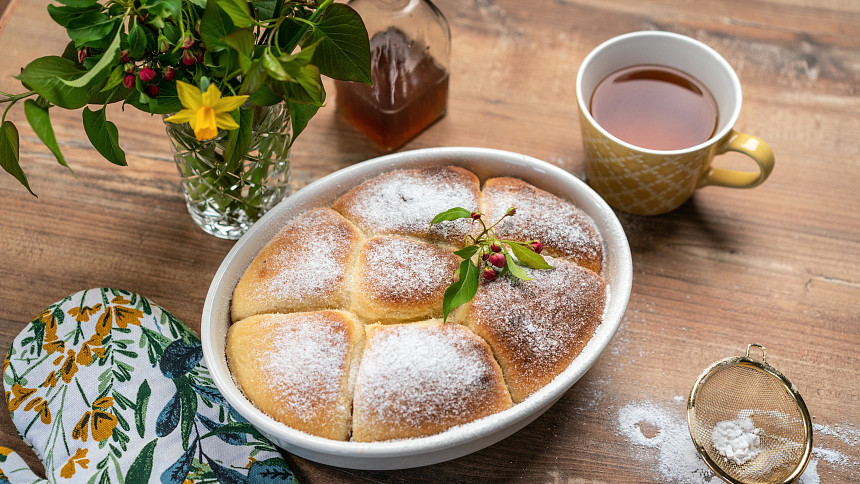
(273,66)
(467,252)
(215,25)
(9,154)
(40,121)
(45,75)
(516,270)
(264,9)
(344,50)
(104,136)
(455,213)
(300,116)
(106,60)
(238,11)
(462,290)
(527,256)
(265,97)
(242,41)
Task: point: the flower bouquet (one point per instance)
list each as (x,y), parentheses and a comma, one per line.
(240,79)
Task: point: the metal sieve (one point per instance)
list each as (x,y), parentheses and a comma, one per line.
(739,387)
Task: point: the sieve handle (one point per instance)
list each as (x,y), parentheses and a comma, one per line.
(763,351)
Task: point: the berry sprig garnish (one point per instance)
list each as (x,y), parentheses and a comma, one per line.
(493,257)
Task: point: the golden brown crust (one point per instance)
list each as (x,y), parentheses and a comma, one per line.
(422,378)
(563,229)
(404,202)
(297,368)
(536,328)
(303,268)
(400,279)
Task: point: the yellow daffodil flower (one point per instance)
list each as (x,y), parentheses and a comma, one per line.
(205,112)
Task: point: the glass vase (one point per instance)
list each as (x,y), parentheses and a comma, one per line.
(226,200)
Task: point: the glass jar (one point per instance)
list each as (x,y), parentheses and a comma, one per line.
(410,45)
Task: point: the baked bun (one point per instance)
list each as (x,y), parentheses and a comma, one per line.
(422,378)
(536,328)
(400,279)
(297,367)
(303,268)
(404,202)
(564,230)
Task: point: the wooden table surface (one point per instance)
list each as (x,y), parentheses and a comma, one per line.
(778,264)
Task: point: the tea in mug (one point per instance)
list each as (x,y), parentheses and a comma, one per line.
(655,107)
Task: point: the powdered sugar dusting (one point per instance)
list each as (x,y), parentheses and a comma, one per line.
(307,362)
(558,224)
(664,429)
(405,201)
(414,375)
(310,258)
(539,325)
(403,270)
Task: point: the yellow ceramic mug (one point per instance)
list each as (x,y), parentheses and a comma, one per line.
(650,182)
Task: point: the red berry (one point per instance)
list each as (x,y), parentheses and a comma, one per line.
(200,56)
(536,246)
(82,54)
(512,211)
(495,247)
(498,260)
(129,67)
(476,215)
(187,43)
(168,74)
(147,74)
(188,58)
(152,90)
(128,81)
(123,56)
(490,274)
(485,256)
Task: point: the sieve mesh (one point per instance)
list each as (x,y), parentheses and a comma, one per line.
(741,387)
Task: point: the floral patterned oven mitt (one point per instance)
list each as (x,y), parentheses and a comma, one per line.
(107,387)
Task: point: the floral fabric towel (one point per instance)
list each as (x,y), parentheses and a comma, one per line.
(107,387)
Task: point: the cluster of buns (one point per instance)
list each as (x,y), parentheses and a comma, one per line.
(337,328)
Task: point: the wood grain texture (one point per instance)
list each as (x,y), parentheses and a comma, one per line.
(778,264)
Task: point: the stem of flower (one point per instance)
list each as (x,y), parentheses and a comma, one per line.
(291,45)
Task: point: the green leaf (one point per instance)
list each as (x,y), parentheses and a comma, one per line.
(344,50)
(9,154)
(516,270)
(273,66)
(462,290)
(161,9)
(264,9)
(300,115)
(307,88)
(40,121)
(104,136)
(143,394)
(64,15)
(114,79)
(238,11)
(215,25)
(90,26)
(265,97)
(455,213)
(467,252)
(239,140)
(136,40)
(78,3)
(242,41)
(106,60)
(141,468)
(527,256)
(45,75)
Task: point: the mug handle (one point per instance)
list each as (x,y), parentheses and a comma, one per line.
(749,145)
